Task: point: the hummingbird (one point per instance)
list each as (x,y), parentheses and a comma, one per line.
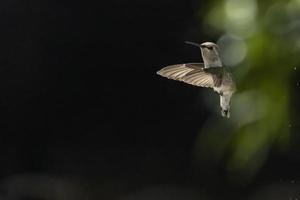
(211,74)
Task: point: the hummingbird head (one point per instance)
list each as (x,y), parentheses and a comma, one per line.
(210,53)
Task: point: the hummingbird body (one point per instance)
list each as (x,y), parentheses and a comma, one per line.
(211,74)
(226,90)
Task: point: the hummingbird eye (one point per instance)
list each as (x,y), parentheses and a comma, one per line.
(209,47)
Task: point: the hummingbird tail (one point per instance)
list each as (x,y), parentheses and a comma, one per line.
(225,113)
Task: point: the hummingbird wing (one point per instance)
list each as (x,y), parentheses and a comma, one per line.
(177,72)
(194,74)
(205,77)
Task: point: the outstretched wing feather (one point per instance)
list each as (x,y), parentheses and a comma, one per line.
(177,72)
(192,73)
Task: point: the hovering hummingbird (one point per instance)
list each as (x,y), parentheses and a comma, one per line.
(211,74)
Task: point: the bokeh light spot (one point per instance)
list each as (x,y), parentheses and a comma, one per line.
(233,50)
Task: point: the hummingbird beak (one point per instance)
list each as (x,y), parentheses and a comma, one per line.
(193,43)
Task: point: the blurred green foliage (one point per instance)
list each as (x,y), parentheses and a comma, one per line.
(260,40)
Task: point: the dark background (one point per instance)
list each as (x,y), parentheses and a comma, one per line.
(80,78)
(80,100)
